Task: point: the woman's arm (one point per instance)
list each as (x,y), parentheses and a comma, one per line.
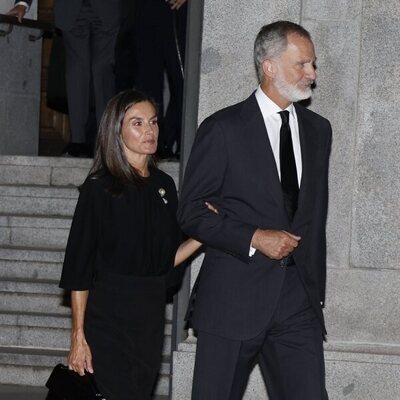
(188,247)
(185,250)
(80,356)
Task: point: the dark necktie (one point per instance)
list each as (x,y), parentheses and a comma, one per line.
(289,182)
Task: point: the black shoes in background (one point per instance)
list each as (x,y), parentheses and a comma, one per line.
(77,150)
(167,154)
(83,150)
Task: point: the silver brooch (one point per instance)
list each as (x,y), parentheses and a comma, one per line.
(162,192)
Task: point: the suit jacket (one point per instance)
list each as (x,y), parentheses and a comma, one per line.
(66,12)
(233,167)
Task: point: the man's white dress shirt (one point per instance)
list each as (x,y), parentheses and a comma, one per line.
(273,123)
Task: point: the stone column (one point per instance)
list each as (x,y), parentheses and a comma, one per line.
(358,90)
(20,70)
(364,255)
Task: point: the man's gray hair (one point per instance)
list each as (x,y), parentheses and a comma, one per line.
(272,41)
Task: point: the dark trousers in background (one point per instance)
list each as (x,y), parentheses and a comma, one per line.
(158,32)
(289,352)
(125,49)
(89,48)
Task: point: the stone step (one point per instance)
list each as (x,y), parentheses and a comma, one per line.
(33,302)
(51,171)
(28,270)
(17,254)
(51,337)
(34,320)
(17,335)
(30,299)
(46,330)
(40,320)
(32,366)
(21,392)
(162,386)
(55,171)
(31,231)
(38,200)
(45,321)
(17,286)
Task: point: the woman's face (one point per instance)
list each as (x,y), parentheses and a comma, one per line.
(139,132)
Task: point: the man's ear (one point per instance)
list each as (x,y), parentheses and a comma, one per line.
(268,68)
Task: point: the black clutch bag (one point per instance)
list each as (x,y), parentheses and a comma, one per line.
(65,384)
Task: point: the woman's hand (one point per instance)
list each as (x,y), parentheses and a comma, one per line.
(211,207)
(185,250)
(176,4)
(80,356)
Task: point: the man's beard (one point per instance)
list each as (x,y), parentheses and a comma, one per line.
(291,92)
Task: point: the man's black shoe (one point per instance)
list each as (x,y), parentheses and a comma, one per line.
(76,150)
(165,154)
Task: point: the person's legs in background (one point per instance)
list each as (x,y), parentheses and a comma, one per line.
(77,54)
(125,49)
(159,30)
(149,62)
(174,55)
(90,59)
(103,41)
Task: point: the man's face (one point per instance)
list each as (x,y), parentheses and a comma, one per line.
(295,69)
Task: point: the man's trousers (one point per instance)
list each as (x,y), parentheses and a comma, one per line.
(289,352)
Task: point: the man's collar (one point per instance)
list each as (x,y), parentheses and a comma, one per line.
(269,107)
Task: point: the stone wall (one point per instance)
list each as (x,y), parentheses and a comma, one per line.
(20,69)
(358,90)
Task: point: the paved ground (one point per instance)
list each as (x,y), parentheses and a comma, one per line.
(11,392)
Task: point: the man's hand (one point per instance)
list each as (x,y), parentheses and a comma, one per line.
(273,243)
(176,4)
(18,11)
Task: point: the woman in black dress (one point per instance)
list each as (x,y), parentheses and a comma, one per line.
(124,240)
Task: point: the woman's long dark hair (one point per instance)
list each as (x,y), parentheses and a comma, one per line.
(109,156)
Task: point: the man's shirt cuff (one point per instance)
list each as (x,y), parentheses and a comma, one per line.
(22,3)
(252,251)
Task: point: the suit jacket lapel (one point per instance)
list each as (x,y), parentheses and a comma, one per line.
(261,147)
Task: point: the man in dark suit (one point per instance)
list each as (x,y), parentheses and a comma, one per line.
(263,164)
(90,29)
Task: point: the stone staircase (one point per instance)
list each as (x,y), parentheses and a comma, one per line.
(37,201)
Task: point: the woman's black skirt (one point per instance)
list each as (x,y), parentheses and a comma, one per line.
(124,327)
